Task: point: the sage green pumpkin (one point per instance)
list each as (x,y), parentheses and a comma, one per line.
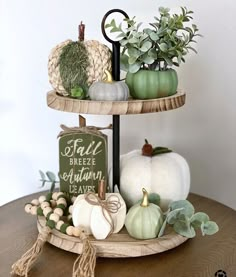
(144,221)
(150,84)
(108,90)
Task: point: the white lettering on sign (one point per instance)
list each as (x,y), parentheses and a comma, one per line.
(83,175)
(82,161)
(74,147)
(74,189)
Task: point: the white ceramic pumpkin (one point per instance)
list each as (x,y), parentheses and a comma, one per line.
(108,90)
(166,174)
(90,217)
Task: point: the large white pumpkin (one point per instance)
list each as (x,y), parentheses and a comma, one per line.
(166,174)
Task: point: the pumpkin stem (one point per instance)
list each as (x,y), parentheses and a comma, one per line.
(81,31)
(102,189)
(145,202)
(108,76)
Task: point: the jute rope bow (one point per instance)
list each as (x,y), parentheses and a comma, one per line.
(86,129)
(109,206)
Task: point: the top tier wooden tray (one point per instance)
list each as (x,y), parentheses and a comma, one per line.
(131,106)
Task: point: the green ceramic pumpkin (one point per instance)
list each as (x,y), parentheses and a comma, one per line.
(144,221)
(150,84)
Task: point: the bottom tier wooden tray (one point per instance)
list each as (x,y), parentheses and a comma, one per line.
(117,245)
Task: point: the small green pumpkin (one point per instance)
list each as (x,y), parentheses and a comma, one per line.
(150,84)
(144,221)
(108,90)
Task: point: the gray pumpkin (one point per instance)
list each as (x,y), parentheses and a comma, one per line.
(108,90)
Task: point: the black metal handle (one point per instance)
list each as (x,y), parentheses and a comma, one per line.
(115,45)
(116,118)
(104,20)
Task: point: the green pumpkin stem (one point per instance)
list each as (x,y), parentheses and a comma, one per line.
(146,141)
(145,202)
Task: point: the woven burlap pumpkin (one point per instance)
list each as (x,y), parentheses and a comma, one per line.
(98,60)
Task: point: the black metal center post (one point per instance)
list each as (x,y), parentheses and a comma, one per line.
(115,118)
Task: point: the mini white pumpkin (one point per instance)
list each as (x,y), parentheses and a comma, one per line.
(166,174)
(91,218)
(108,90)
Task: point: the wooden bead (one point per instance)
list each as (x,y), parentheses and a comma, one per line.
(73,199)
(58,211)
(35,202)
(71,209)
(69,230)
(44,205)
(60,193)
(54,217)
(62,201)
(59,223)
(46,211)
(42,198)
(33,210)
(28,208)
(76,232)
(53,203)
(54,195)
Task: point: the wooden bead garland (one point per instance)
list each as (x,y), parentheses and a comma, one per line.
(54,206)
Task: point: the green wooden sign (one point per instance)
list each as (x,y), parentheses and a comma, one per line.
(82,162)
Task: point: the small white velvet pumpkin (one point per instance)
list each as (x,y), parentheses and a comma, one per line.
(91,218)
(108,90)
(166,174)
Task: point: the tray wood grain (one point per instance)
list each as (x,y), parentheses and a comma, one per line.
(131,106)
(117,245)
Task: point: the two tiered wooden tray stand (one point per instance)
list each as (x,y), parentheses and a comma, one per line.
(121,244)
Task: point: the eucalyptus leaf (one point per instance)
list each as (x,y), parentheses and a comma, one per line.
(154,36)
(42,175)
(133,68)
(124,62)
(152,53)
(147,31)
(184,229)
(146,46)
(147,59)
(154,198)
(172,216)
(123,42)
(188,209)
(132,59)
(163,46)
(198,218)
(209,228)
(51,176)
(133,40)
(133,52)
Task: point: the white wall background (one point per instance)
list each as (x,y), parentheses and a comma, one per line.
(203,131)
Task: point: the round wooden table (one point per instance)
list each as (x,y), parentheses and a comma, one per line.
(200,256)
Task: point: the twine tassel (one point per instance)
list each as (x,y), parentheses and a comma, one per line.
(84,265)
(24,264)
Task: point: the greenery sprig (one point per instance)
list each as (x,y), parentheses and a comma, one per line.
(48,177)
(182,217)
(165,43)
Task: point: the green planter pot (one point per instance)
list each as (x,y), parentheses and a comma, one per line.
(148,84)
